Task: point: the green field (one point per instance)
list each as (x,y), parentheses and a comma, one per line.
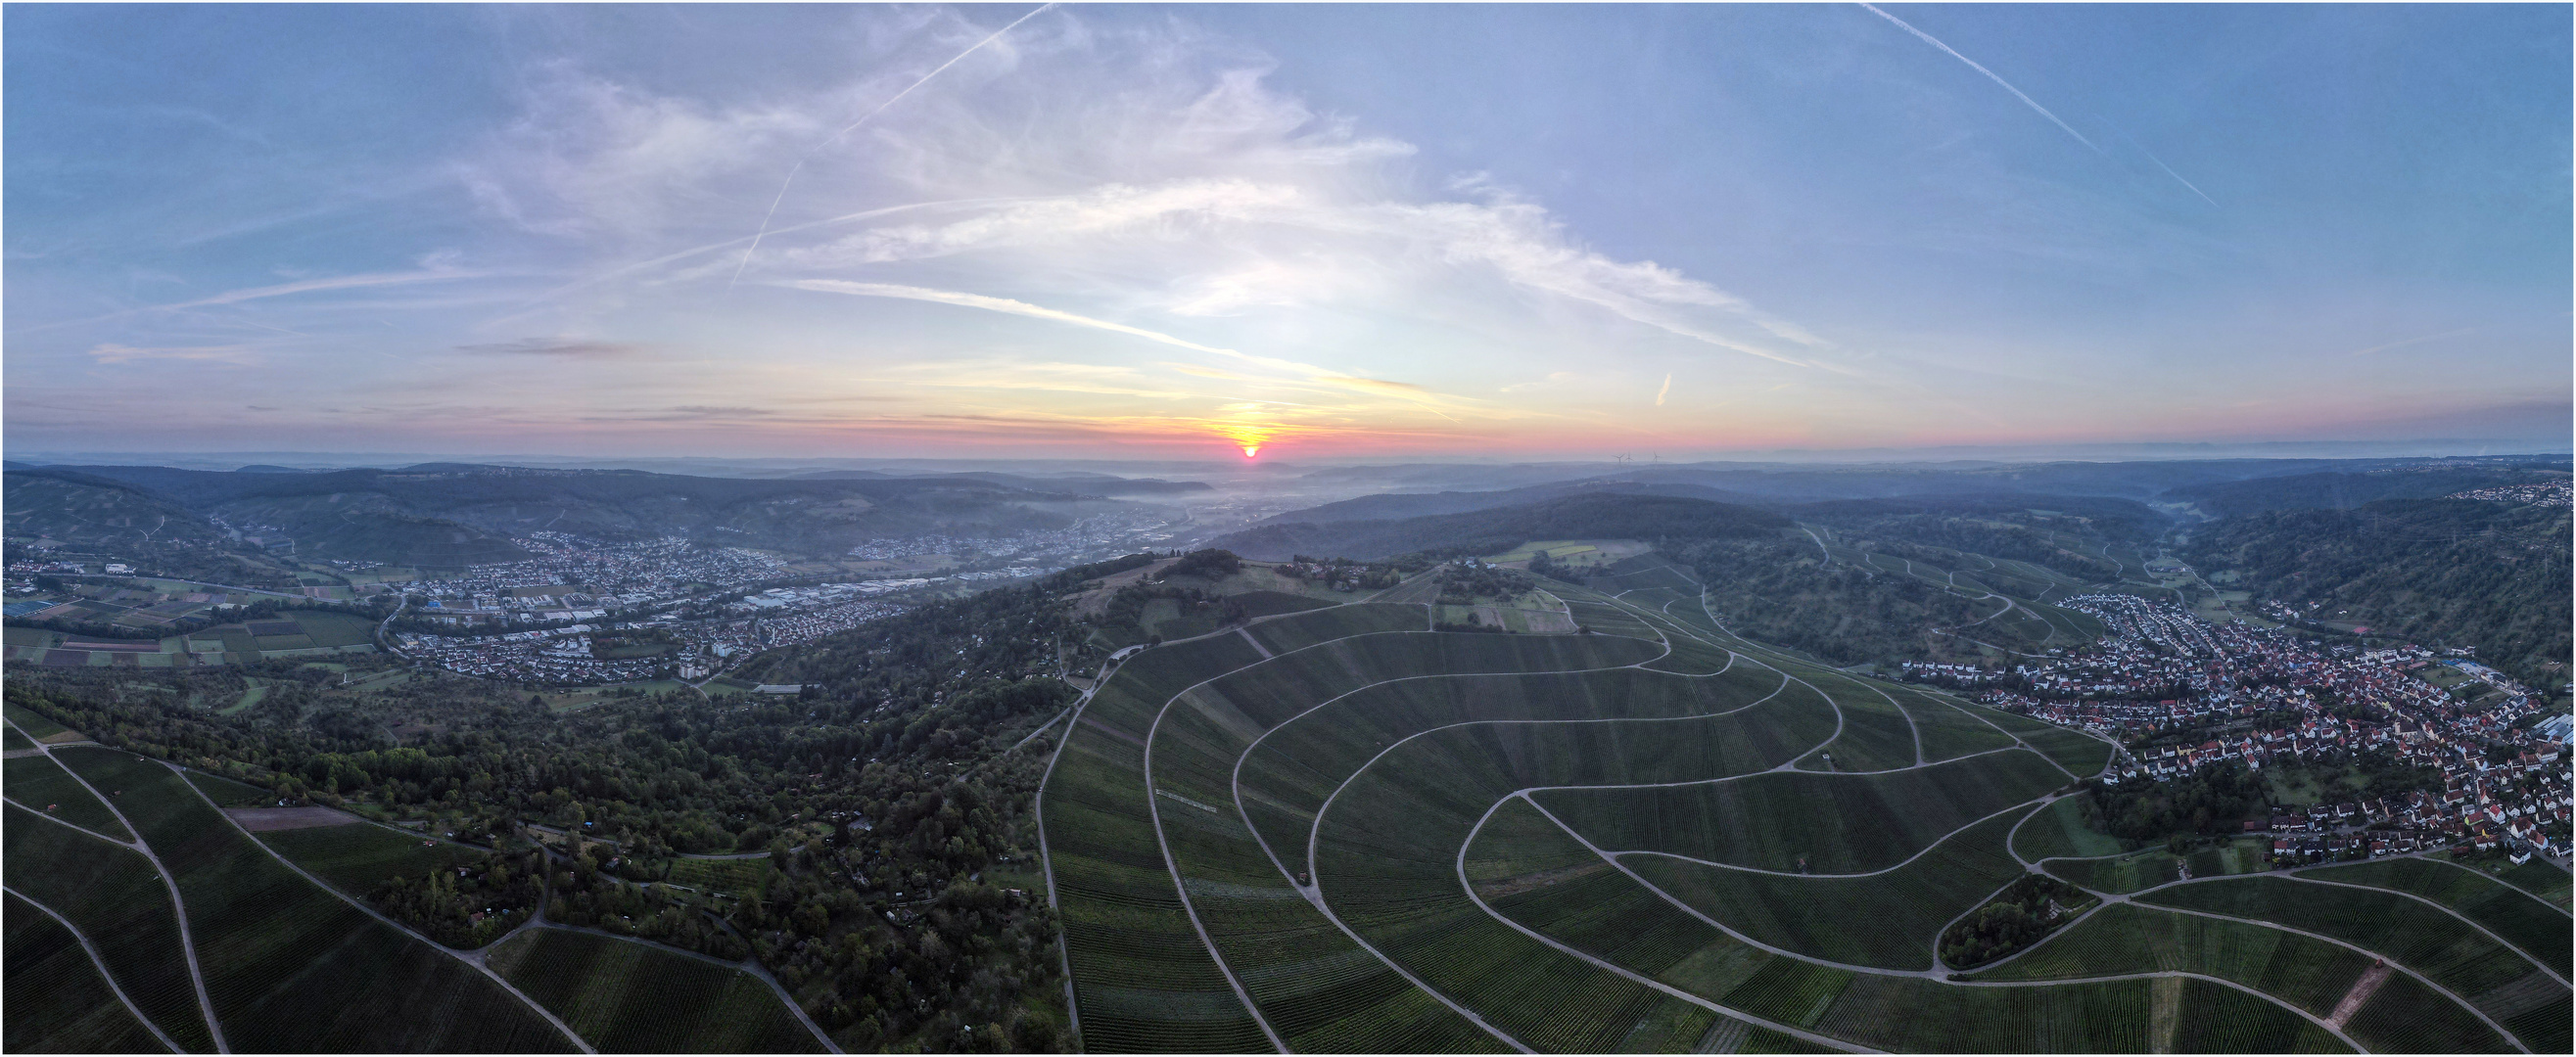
(2125,938)
(1825,824)
(116,899)
(228,793)
(1429,788)
(2539,878)
(2060,831)
(37,727)
(2520,918)
(629,997)
(2497,979)
(734,877)
(43,786)
(57,1001)
(290,966)
(361,855)
(1906,906)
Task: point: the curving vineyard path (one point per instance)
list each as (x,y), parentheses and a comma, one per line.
(1665,627)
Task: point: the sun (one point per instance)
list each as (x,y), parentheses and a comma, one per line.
(1250,450)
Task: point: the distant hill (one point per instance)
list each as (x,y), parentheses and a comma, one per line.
(2442,572)
(1393,506)
(1599,515)
(2344,491)
(78,508)
(444,515)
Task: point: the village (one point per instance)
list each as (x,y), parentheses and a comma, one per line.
(2258,696)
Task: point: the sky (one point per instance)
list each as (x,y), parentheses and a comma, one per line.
(1379,231)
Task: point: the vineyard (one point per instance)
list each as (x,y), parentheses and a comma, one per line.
(1340,831)
(629,997)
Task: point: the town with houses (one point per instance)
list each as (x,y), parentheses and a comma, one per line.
(581,611)
(2263,696)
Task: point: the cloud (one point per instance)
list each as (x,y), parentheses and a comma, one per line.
(1990,75)
(880,108)
(1553,377)
(1305,373)
(1665,391)
(989,304)
(721,412)
(2415,341)
(234,355)
(306,286)
(566,347)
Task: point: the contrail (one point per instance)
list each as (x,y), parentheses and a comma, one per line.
(853,127)
(2160,163)
(1660,393)
(1990,75)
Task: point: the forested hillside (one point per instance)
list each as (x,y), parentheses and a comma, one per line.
(1780,589)
(2442,572)
(887,786)
(452,515)
(2341,490)
(1584,516)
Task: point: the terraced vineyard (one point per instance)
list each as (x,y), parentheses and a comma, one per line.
(629,997)
(1339,830)
(143,920)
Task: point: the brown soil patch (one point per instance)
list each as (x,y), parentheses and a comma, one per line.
(2361,991)
(264,819)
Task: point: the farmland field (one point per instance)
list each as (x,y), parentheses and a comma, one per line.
(1340,831)
(228,793)
(629,997)
(42,785)
(57,1001)
(735,877)
(2060,831)
(2518,917)
(114,897)
(2498,980)
(358,856)
(290,966)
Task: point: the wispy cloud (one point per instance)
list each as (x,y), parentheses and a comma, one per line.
(112,353)
(880,108)
(302,286)
(1302,372)
(2415,341)
(566,347)
(1990,75)
(989,304)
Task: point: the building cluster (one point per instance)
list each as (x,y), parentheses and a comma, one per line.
(615,579)
(2260,696)
(1088,539)
(2557,493)
(566,574)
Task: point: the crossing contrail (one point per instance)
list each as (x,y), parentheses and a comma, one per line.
(1990,75)
(2160,163)
(853,127)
